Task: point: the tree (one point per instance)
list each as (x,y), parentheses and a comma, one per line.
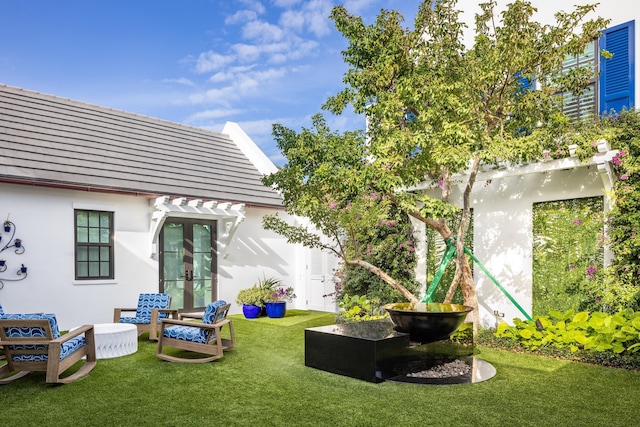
(436,111)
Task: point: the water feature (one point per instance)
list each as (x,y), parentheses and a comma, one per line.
(427,322)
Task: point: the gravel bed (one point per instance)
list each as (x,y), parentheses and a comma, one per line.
(454,368)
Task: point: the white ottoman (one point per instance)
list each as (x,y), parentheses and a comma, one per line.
(115,339)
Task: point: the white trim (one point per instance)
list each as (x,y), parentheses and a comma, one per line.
(601,159)
(228,216)
(260,160)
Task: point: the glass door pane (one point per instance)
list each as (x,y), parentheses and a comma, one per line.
(173,263)
(188,264)
(202,250)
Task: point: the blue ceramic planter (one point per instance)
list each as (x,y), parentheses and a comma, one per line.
(276,309)
(251,311)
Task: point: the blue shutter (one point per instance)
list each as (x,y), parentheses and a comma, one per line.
(617,84)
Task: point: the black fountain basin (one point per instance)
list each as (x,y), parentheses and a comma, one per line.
(427,322)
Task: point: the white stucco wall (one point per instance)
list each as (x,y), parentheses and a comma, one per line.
(44,221)
(256,253)
(503,232)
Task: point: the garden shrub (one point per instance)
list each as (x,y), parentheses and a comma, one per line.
(390,246)
(358,308)
(596,332)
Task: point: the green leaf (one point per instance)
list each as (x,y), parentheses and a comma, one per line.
(526,333)
(580,317)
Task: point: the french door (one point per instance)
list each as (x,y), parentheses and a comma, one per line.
(188,264)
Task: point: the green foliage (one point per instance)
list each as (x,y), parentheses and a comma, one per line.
(254,295)
(359,308)
(620,287)
(623,287)
(568,255)
(598,331)
(389,245)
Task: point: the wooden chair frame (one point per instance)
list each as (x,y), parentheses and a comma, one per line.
(53,366)
(152,326)
(214,347)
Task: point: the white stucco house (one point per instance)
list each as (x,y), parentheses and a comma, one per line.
(108,204)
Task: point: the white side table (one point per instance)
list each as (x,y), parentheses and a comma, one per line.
(115,339)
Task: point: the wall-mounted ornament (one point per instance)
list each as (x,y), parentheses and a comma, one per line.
(16,245)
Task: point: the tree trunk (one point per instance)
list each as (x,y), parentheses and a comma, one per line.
(384,276)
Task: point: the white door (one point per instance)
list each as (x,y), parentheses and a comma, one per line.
(321,282)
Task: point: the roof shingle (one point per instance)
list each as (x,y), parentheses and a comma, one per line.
(50,140)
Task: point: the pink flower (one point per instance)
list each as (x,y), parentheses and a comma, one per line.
(623,177)
(577,222)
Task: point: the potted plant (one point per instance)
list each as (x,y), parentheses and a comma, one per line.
(252,300)
(7,225)
(276,302)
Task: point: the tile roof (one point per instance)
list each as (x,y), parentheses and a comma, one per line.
(47,140)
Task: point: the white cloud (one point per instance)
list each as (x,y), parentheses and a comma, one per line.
(293,19)
(180,81)
(246,52)
(316,13)
(285,3)
(213,114)
(269,74)
(254,5)
(278,58)
(262,31)
(354,7)
(241,16)
(210,61)
(242,81)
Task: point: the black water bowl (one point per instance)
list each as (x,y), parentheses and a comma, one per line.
(427,322)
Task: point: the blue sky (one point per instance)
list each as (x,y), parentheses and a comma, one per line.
(197,62)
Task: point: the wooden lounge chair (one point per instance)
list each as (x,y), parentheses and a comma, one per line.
(32,342)
(199,337)
(152,308)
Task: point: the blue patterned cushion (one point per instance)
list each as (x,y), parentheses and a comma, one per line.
(194,334)
(1,310)
(66,349)
(146,303)
(186,333)
(136,320)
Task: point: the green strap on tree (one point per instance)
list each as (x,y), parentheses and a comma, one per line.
(450,253)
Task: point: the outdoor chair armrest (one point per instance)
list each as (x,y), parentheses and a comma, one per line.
(85,329)
(118,311)
(171,311)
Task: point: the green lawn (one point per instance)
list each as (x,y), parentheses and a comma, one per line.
(263,382)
